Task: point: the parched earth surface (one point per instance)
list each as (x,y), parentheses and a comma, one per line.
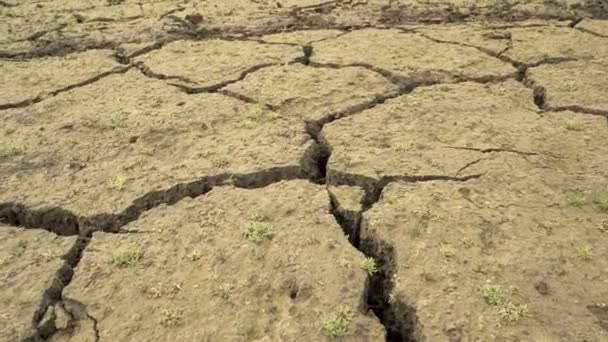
(303,170)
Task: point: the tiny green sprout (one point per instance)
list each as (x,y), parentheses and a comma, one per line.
(603,226)
(573,125)
(337,323)
(220,161)
(118,120)
(513,312)
(492,294)
(171,318)
(223,290)
(466,242)
(577,199)
(118,182)
(195,255)
(584,253)
(260,113)
(446,250)
(229,181)
(258,231)
(369,265)
(344,263)
(127,257)
(601,200)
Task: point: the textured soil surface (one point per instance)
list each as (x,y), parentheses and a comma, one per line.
(303,170)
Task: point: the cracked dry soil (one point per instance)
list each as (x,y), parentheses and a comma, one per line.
(303,170)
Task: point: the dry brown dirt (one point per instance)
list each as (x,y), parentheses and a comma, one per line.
(303,170)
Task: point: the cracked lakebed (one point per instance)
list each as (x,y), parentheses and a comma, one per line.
(227,171)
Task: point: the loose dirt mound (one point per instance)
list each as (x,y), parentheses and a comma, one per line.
(282,170)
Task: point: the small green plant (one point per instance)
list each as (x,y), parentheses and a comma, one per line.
(603,226)
(573,125)
(260,113)
(446,250)
(127,257)
(506,309)
(466,242)
(337,323)
(577,199)
(220,161)
(258,231)
(492,294)
(513,312)
(369,265)
(171,318)
(195,255)
(118,120)
(584,253)
(118,182)
(344,263)
(223,290)
(601,200)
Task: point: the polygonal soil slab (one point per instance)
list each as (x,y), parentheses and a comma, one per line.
(577,85)
(494,41)
(535,45)
(123,143)
(25,80)
(32,263)
(409,55)
(517,255)
(313,93)
(301,37)
(440,131)
(210,63)
(599,27)
(233,265)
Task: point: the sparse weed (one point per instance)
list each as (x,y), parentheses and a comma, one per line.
(195,255)
(603,226)
(258,231)
(172,317)
(513,312)
(160,290)
(601,200)
(492,294)
(127,257)
(466,242)
(223,290)
(220,161)
(259,217)
(369,265)
(507,311)
(344,263)
(337,323)
(584,253)
(118,182)
(118,120)
(573,125)
(260,113)
(229,181)
(446,250)
(577,199)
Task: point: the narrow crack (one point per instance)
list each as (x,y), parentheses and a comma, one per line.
(28,102)
(398,318)
(65,222)
(53,293)
(193,89)
(493,149)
